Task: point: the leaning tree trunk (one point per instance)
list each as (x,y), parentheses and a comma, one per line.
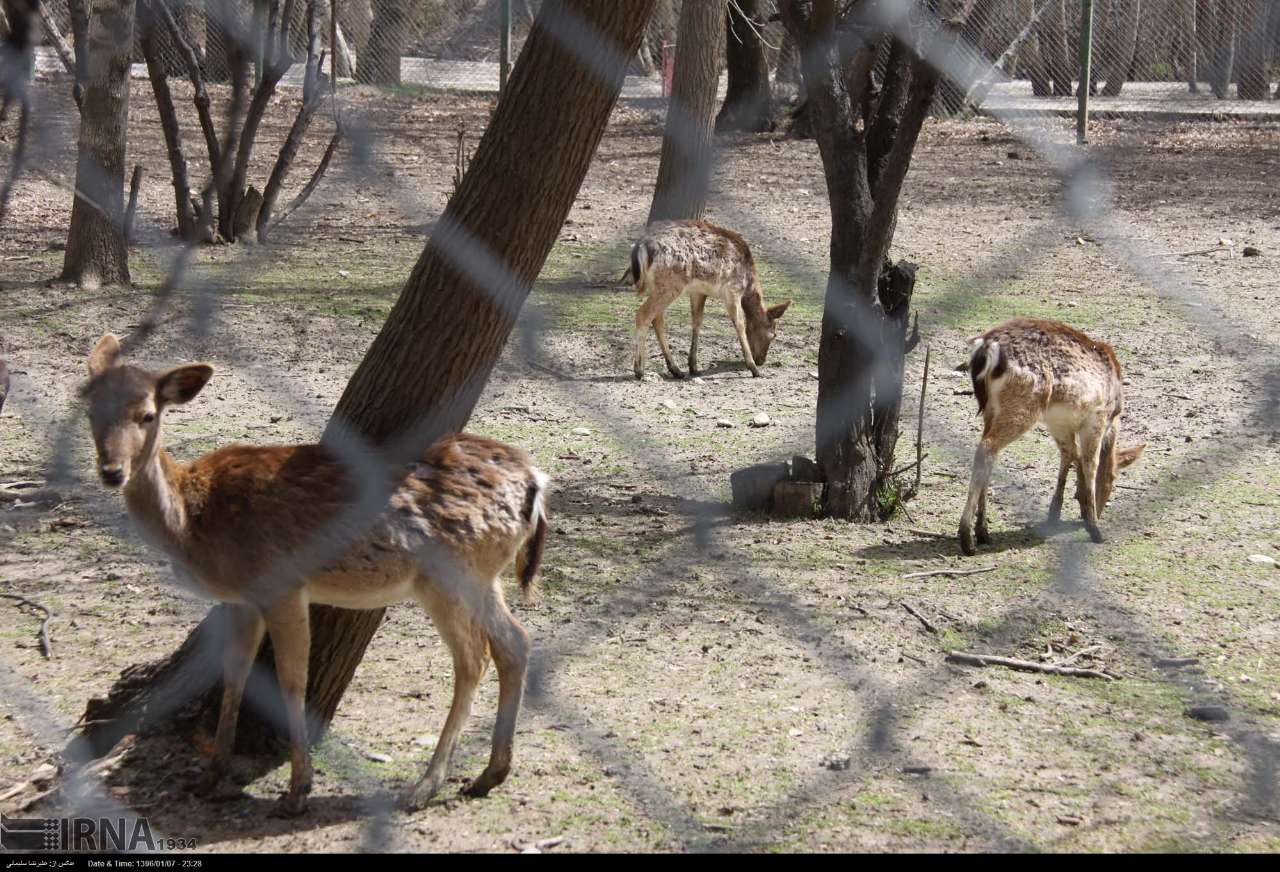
(684,171)
(96,247)
(866,149)
(497,229)
(1120,45)
(379,62)
(1256,48)
(951,95)
(747,103)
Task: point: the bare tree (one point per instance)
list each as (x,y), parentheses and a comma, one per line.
(1257,46)
(866,138)
(1119,46)
(465,292)
(1222,38)
(748,101)
(379,62)
(96,248)
(684,171)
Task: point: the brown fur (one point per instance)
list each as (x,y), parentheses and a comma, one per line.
(241,521)
(1030,370)
(699,259)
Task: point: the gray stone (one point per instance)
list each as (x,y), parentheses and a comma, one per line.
(753,487)
(804,469)
(796,499)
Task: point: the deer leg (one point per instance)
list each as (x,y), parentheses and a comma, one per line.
(244,635)
(660,328)
(740,327)
(1090,448)
(288,624)
(1066,459)
(983,462)
(647,313)
(468,645)
(509,644)
(697,303)
(980,530)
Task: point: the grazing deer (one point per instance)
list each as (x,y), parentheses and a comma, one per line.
(702,260)
(1026,371)
(472,504)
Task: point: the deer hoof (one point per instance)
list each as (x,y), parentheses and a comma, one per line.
(982,534)
(291,805)
(487,781)
(1096,535)
(966,542)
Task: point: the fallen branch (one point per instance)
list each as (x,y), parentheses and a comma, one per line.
(1092,649)
(45,647)
(1025,665)
(928,625)
(924,384)
(1216,248)
(949,572)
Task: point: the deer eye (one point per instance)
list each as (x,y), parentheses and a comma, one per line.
(148,417)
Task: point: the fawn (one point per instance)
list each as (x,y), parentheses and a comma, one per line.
(473,503)
(1026,371)
(702,260)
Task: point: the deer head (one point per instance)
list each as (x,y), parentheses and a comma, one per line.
(126,404)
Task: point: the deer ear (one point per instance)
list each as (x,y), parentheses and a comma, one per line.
(105,355)
(182,384)
(1126,456)
(775,312)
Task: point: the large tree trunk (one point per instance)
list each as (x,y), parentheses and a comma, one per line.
(379,62)
(977,20)
(1052,32)
(1256,48)
(426,368)
(866,149)
(748,98)
(684,172)
(96,248)
(1120,45)
(1223,34)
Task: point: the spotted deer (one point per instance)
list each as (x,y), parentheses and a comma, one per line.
(701,260)
(454,521)
(1025,371)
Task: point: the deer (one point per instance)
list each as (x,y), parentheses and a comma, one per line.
(701,260)
(471,504)
(1026,371)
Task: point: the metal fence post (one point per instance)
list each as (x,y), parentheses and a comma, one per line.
(504,50)
(1086,62)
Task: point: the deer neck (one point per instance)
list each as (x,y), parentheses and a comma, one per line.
(155,499)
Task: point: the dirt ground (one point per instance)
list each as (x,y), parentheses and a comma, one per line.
(705,680)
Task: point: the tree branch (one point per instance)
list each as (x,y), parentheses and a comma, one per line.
(314,180)
(65,52)
(192,63)
(18,161)
(168,118)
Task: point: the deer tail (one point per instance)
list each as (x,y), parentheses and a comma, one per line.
(530,558)
(986,363)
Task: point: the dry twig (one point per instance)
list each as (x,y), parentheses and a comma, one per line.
(949,572)
(46,648)
(1025,665)
(928,625)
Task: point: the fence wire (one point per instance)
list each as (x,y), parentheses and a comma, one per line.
(1001,66)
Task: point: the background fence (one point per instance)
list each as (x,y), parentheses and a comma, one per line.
(880,738)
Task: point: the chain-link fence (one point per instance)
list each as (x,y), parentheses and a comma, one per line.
(190,305)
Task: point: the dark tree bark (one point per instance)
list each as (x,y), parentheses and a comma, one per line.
(748,100)
(1052,33)
(1256,51)
(96,249)
(684,171)
(379,62)
(866,142)
(150,28)
(1223,35)
(1120,45)
(660,31)
(976,22)
(408,391)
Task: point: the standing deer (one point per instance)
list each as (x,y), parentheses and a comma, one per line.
(1029,370)
(472,504)
(702,260)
